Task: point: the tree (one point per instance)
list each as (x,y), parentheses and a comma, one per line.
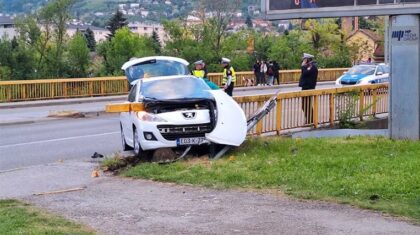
(157,47)
(248,22)
(90,39)
(78,56)
(117,21)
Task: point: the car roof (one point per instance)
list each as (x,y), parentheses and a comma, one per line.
(135,61)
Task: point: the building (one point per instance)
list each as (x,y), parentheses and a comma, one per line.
(368,42)
(99,33)
(7,27)
(145,29)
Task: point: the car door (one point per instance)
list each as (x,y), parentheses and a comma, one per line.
(381,75)
(125,117)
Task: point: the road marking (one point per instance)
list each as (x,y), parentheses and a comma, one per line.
(59,139)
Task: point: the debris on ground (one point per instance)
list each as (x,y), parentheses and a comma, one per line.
(60,191)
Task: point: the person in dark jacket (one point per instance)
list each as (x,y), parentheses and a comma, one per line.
(308,80)
(276,67)
(256,69)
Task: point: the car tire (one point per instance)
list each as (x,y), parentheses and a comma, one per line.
(125,146)
(138,151)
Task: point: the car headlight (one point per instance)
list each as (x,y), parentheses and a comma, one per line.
(149,117)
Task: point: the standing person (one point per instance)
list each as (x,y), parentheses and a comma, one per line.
(263,70)
(200,71)
(256,69)
(276,68)
(270,73)
(229,77)
(307,81)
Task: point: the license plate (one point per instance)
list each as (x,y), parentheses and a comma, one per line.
(190,141)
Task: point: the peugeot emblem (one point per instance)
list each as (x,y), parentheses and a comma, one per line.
(189,115)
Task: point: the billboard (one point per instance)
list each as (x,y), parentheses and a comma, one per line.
(299,9)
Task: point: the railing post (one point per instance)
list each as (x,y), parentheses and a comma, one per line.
(102,87)
(260,123)
(23,92)
(279,113)
(374,97)
(315,111)
(332,109)
(65,89)
(361,104)
(90,88)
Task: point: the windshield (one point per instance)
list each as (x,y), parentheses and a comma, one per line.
(156,68)
(365,70)
(177,88)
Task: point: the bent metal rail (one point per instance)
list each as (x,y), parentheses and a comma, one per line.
(11,91)
(317,107)
(305,108)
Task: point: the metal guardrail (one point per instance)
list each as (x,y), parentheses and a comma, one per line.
(11,91)
(317,107)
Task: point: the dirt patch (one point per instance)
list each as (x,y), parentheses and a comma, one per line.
(66,114)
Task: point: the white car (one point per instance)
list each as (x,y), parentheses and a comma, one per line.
(175,109)
(364,74)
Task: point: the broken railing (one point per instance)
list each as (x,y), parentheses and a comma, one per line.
(44,89)
(317,108)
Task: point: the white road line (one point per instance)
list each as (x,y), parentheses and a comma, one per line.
(59,139)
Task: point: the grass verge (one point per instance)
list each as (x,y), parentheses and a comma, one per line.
(21,218)
(369,172)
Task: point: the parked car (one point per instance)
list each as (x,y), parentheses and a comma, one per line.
(365,74)
(177,110)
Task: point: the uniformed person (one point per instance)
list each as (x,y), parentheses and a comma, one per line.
(229,77)
(200,71)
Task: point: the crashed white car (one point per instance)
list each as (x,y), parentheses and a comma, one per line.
(173,109)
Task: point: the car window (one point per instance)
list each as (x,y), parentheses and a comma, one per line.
(132,94)
(380,70)
(177,88)
(362,69)
(386,69)
(156,68)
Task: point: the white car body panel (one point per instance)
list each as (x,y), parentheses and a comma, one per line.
(144,59)
(231,126)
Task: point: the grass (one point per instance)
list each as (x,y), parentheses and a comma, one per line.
(21,218)
(369,172)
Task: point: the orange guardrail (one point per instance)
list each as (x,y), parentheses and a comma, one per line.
(316,108)
(24,90)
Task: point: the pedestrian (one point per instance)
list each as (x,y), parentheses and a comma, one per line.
(256,70)
(276,68)
(263,70)
(229,77)
(307,81)
(270,73)
(200,71)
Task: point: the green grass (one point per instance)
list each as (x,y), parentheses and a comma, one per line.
(374,173)
(21,218)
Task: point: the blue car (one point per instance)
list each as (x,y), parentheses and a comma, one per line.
(364,74)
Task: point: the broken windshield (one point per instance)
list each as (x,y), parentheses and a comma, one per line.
(176,88)
(155,68)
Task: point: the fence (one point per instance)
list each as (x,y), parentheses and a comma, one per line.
(317,107)
(11,91)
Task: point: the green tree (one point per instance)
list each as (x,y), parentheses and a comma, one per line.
(78,59)
(117,21)
(157,47)
(90,39)
(122,47)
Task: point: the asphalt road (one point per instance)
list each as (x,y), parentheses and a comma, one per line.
(25,145)
(49,140)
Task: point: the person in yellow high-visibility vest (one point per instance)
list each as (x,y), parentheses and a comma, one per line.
(229,77)
(200,71)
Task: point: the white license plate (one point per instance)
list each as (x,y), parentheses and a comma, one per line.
(190,141)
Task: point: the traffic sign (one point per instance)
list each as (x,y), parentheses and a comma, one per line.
(300,9)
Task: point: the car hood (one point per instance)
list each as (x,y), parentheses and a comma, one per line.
(353,77)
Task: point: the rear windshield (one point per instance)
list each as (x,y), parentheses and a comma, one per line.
(156,68)
(176,88)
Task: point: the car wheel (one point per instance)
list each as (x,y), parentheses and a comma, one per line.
(138,151)
(125,146)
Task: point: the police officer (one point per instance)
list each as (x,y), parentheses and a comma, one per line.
(308,80)
(229,77)
(200,71)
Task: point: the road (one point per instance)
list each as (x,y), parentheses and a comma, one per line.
(44,140)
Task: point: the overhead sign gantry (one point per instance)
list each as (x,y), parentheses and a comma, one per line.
(301,9)
(402,36)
